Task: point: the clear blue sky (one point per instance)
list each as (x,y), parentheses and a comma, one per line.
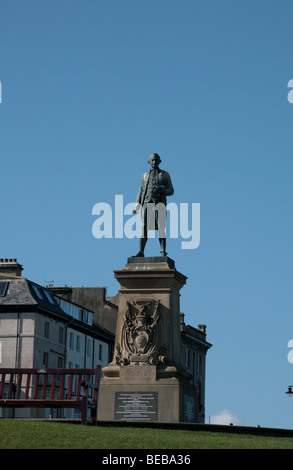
(89,89)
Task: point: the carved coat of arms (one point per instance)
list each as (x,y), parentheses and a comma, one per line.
(140,334)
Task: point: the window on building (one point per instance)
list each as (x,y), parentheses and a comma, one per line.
(49,296)
(78,343)
(37,291)
(45,359)
(47,328)
(71,340)
(198,362)
(74,387)
(3,288)
(85,316)
(60,362)
(187,358)
(88,347)
(199,394)
(61,335)
(100,352)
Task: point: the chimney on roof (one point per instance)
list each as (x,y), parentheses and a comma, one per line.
(10,266)
(202,328)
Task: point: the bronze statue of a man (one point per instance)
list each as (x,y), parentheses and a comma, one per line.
(154,188)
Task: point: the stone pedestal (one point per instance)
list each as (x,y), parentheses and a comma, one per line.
(146,381)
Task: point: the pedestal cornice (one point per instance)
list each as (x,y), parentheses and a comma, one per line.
(150,272)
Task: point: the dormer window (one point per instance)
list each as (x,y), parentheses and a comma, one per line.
(3,288)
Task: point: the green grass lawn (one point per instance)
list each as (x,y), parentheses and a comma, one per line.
(22,434)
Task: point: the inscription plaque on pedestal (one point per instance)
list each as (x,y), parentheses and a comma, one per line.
(136,406)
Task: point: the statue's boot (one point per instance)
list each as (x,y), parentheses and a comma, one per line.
(142,243)
(163,246)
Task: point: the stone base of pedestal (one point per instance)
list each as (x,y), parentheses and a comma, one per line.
(144,393)
(146,381)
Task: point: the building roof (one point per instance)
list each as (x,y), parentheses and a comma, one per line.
(21,294)
(16,292)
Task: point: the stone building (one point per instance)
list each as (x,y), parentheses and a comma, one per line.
(93,298)
(194,348)
(40,329)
